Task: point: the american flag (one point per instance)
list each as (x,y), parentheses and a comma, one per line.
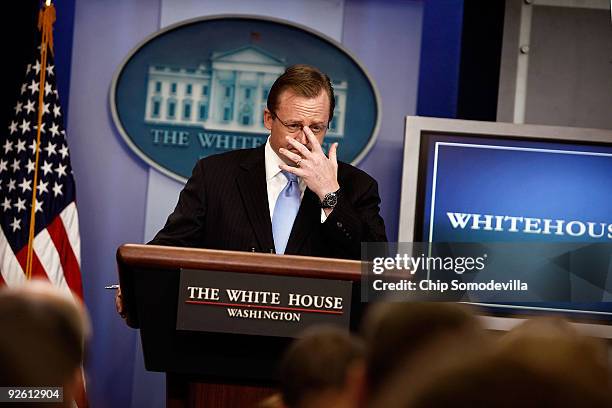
(56,246)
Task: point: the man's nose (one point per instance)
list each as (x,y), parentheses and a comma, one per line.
(301,137)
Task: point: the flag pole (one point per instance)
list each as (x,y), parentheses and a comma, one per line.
(46,18)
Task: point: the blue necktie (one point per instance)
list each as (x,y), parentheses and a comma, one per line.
(285,210)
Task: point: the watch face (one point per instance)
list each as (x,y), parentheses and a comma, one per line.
(330,200)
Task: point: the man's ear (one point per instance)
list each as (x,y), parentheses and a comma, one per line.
(268,119)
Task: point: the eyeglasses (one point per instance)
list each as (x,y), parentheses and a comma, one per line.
(317,128)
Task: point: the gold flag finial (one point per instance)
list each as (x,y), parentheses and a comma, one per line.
(46,18)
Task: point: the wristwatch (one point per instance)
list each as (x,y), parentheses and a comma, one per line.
(330,200)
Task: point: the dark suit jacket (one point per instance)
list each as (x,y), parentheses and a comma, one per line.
(224,205)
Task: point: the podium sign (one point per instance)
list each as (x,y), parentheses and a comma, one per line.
(257,304)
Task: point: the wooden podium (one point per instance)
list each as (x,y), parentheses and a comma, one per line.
(212,369)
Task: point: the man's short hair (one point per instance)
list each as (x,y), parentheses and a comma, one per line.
(496,380)
(319,361)
(544,363)
(43,336)
(399,332)
(303,80)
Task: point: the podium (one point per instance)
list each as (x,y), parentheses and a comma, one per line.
(213,369)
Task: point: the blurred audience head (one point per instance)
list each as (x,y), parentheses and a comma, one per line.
(553,344)
(413,336)
(541,363)
(43,336)
(273,401)
(323,368)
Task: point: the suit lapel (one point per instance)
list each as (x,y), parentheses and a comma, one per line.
(308,217)
(254,193)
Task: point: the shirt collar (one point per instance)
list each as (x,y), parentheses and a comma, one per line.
(272,161)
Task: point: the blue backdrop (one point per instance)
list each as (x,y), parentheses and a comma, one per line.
(387,36)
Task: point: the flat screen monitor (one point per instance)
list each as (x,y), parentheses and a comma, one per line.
(523,183)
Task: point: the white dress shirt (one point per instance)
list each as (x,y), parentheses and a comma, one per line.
(276,181)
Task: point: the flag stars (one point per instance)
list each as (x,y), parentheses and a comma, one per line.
(46,168)
(37,206)
(8,146)
(37,67)
(42,187)
(33,87)
(6,205)
(20,205)
(32,146)
(15,165)
(57,189)
(13,127)
(64,151)
(15,224)
(25,185)
(42,128)
(30,106)
(60,170)
(54,130)
(30,166)
(20,146)
(50,149)
(25,126)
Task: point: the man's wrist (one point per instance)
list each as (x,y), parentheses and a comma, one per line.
(328,190)
(330,200)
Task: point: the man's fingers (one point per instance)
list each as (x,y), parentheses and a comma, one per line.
(295,170)
(290,155)
(300,147)
(119,303)
(333,151)
(314,142)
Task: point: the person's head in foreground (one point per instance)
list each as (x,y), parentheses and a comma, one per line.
(324,368)
(414,337)
(44,331)
(554,345)
(540,364)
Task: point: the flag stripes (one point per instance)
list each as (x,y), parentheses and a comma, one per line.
(54,256)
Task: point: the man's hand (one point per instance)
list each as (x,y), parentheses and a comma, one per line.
(319,172)
(119,304)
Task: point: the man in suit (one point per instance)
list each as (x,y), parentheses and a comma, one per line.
(286,196)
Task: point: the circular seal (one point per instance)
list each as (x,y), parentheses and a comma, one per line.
(200,87)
